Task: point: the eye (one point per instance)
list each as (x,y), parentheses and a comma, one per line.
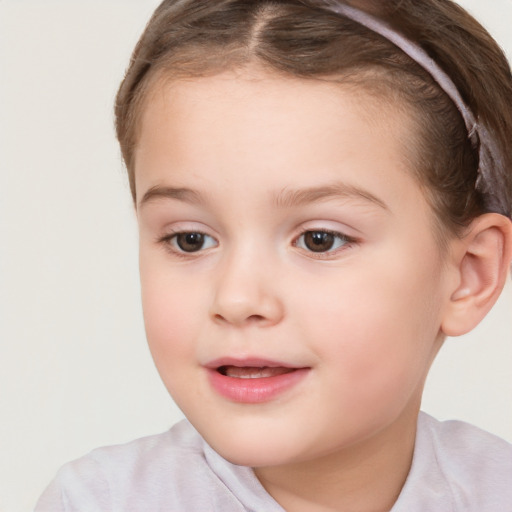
(321,241)
(190,241)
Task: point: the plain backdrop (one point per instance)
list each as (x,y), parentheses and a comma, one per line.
(75,372)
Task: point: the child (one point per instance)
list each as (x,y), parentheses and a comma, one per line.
(320,202)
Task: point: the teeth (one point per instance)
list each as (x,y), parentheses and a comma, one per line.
(253,373)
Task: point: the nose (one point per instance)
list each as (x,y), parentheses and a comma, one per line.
(246,293)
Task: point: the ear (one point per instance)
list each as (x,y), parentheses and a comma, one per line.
(482,261)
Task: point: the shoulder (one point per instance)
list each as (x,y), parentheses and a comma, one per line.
(476,466)
(168,448)
(146,474)
(173,451)
(478,452)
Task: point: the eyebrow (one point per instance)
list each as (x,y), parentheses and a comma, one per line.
(186,195)
(288,198)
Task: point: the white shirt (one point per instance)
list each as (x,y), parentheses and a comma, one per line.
(456,468)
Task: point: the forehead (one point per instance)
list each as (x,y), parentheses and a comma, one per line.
(271,132)
(370,93)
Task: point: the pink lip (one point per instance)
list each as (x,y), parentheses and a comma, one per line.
(253,390)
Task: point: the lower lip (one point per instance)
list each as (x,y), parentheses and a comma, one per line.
(255,391)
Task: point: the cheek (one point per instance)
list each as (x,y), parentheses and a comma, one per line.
(171,323)
(376,330)
(171,315)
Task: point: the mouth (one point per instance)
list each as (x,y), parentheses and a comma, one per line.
(253,372)
(253,381)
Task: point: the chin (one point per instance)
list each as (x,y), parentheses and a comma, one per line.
(255,447)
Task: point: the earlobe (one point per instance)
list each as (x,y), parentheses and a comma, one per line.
(482,265)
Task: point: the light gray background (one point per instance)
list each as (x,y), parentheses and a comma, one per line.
(75,370)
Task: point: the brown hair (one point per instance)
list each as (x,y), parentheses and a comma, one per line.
(193,38)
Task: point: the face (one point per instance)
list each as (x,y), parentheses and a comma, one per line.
(292,286)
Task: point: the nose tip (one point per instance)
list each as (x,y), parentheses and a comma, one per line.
(242,297)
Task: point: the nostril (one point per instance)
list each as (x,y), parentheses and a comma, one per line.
(256,318)
(241,320)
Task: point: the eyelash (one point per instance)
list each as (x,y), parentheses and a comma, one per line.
(168,242)
(343,240)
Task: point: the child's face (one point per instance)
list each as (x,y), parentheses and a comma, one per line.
(310,249)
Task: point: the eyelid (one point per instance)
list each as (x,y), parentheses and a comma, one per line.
(344,241)
(178,249)
(348,241)
(167,241)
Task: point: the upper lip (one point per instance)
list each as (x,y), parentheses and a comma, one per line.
(249,362)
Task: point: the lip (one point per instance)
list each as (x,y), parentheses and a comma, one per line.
(253,390)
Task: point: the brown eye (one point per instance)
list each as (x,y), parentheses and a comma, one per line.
(190,242)
(187,242)
(322,241)
(318,241)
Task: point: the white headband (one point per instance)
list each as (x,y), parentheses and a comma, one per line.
(491,180)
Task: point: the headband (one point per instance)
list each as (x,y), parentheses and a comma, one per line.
(491,181)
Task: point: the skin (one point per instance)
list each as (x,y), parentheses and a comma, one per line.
(364,319)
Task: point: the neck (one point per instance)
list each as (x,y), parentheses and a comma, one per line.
(366,477)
